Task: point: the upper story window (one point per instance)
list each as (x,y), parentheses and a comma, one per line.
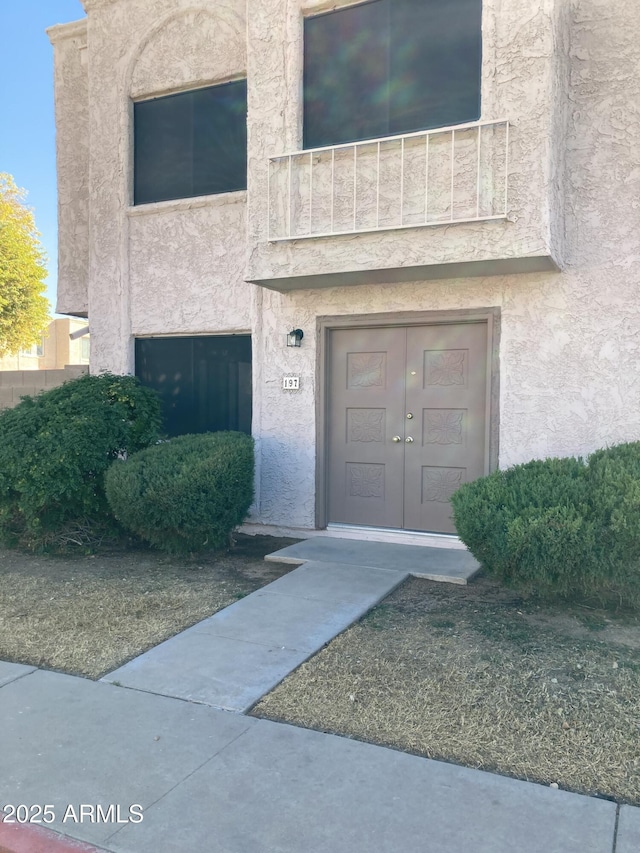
(190,144)
(391,67)
(35,350)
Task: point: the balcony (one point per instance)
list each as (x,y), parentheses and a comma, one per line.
(426,179)
(478,199)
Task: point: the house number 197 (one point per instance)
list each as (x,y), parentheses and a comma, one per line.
(291,383)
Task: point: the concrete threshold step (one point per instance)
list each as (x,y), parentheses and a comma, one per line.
(437,564)
(230,660)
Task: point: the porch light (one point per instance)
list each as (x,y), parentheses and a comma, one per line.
(294,337)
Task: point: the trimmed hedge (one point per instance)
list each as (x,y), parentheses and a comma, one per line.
(559,527)
(185,494)
(55,448)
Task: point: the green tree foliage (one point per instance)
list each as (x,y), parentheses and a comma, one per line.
(56,447)
(24,309)
(185,494)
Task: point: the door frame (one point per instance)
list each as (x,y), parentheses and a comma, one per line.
(325,325)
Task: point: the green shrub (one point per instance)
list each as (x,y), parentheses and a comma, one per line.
(55,448)
(185,494)
(559,527)
(614,480)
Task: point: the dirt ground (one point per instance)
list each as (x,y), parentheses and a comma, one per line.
(478,676)
(88,615)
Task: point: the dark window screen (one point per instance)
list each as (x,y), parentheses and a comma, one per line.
(189,144)
(204,382)
(390,67)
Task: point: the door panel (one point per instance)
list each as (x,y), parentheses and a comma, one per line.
(425,387)
(365,412)
(446,394)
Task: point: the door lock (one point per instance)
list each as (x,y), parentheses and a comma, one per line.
(409,440)
(396,438)
(409,416)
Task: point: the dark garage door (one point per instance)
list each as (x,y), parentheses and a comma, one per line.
(204,382)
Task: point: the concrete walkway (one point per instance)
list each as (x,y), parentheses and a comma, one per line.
(232,659)
(210,781)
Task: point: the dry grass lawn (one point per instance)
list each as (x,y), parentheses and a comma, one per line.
(477,676)
(89,615)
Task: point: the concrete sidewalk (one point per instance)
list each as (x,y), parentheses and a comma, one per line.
(210,781)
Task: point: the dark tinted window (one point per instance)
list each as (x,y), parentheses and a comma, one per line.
(192,143)
(389,67)
(204,382)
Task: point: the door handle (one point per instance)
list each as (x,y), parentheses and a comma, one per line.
(396,438)
(409,440)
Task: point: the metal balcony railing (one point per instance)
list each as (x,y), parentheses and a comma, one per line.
(433,177)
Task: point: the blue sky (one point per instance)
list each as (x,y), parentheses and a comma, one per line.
(27,128)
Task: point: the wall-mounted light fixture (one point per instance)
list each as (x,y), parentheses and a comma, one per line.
(294,337)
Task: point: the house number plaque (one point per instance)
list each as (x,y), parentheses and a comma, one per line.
(291,383)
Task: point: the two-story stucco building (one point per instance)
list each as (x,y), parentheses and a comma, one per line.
(443,197)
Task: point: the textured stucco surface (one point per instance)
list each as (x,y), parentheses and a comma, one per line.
(186,266)
(565,73)
(192,47)
(72,154)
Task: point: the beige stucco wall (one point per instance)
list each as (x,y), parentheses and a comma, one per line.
(20,361)
(566,74)
(72,158)
(186,266)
